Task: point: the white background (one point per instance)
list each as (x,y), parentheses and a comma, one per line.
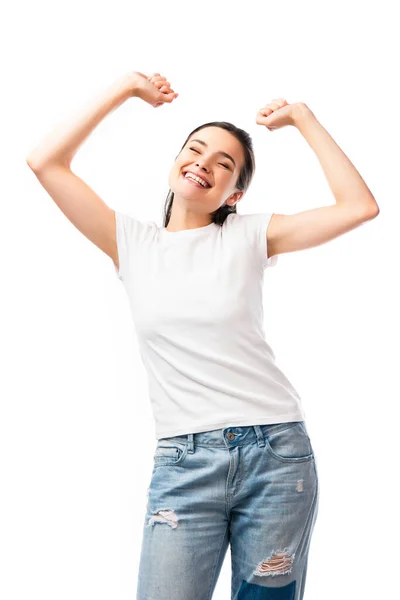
(76,429)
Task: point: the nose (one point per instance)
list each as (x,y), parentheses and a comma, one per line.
(201,166)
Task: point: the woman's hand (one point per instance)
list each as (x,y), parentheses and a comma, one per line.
(155,90)
(278,113)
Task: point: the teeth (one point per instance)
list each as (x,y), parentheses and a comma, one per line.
(190,176)
(198,179)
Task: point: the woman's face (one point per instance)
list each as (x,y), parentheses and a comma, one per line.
(203,155)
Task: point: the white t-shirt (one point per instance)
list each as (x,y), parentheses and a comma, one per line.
(196,302)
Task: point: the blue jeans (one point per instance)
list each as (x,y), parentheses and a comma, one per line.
(254,488)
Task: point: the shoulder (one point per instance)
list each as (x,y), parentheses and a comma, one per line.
(254,228)
(132,228)
(249,223)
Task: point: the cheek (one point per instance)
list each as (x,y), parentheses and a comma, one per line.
(177,169)
(173,174)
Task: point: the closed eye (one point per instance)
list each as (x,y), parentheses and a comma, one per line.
(224,165)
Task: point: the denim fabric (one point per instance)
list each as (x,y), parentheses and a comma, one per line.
(252,488)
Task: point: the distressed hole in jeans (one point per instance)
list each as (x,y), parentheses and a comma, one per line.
(166,515)
(279,563)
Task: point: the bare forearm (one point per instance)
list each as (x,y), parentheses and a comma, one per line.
(345,182)
(61,145)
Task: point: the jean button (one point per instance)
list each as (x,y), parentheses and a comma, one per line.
(230,435)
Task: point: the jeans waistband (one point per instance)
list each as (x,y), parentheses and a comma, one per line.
(231,436)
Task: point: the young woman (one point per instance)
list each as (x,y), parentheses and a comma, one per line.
(233,462)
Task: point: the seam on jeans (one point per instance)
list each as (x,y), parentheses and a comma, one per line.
(216,563)
(312,508)
(276,431)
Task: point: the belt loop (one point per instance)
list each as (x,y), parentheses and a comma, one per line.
(260,436)
(190,443)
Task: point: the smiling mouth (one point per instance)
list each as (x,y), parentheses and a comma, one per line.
(195,182)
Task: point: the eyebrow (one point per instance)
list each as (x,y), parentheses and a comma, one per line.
(220,152)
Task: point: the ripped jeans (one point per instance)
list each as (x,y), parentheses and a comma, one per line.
(254,488)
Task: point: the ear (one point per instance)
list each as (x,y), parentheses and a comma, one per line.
(234,198)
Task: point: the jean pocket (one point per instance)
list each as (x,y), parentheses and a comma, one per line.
(169,453)
(290,444)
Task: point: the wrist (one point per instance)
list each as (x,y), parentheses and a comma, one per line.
(302,115)
(127,84)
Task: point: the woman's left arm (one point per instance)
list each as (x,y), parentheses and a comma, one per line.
(354,202)
(347,185)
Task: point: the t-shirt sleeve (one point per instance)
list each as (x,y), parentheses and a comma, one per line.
(130,233)
(256,226)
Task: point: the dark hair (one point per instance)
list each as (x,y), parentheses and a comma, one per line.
(245,175)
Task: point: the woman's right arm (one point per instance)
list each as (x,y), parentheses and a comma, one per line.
(51,163)
(51,160)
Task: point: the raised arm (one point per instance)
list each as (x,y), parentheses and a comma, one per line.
(51,160)
(354,201)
